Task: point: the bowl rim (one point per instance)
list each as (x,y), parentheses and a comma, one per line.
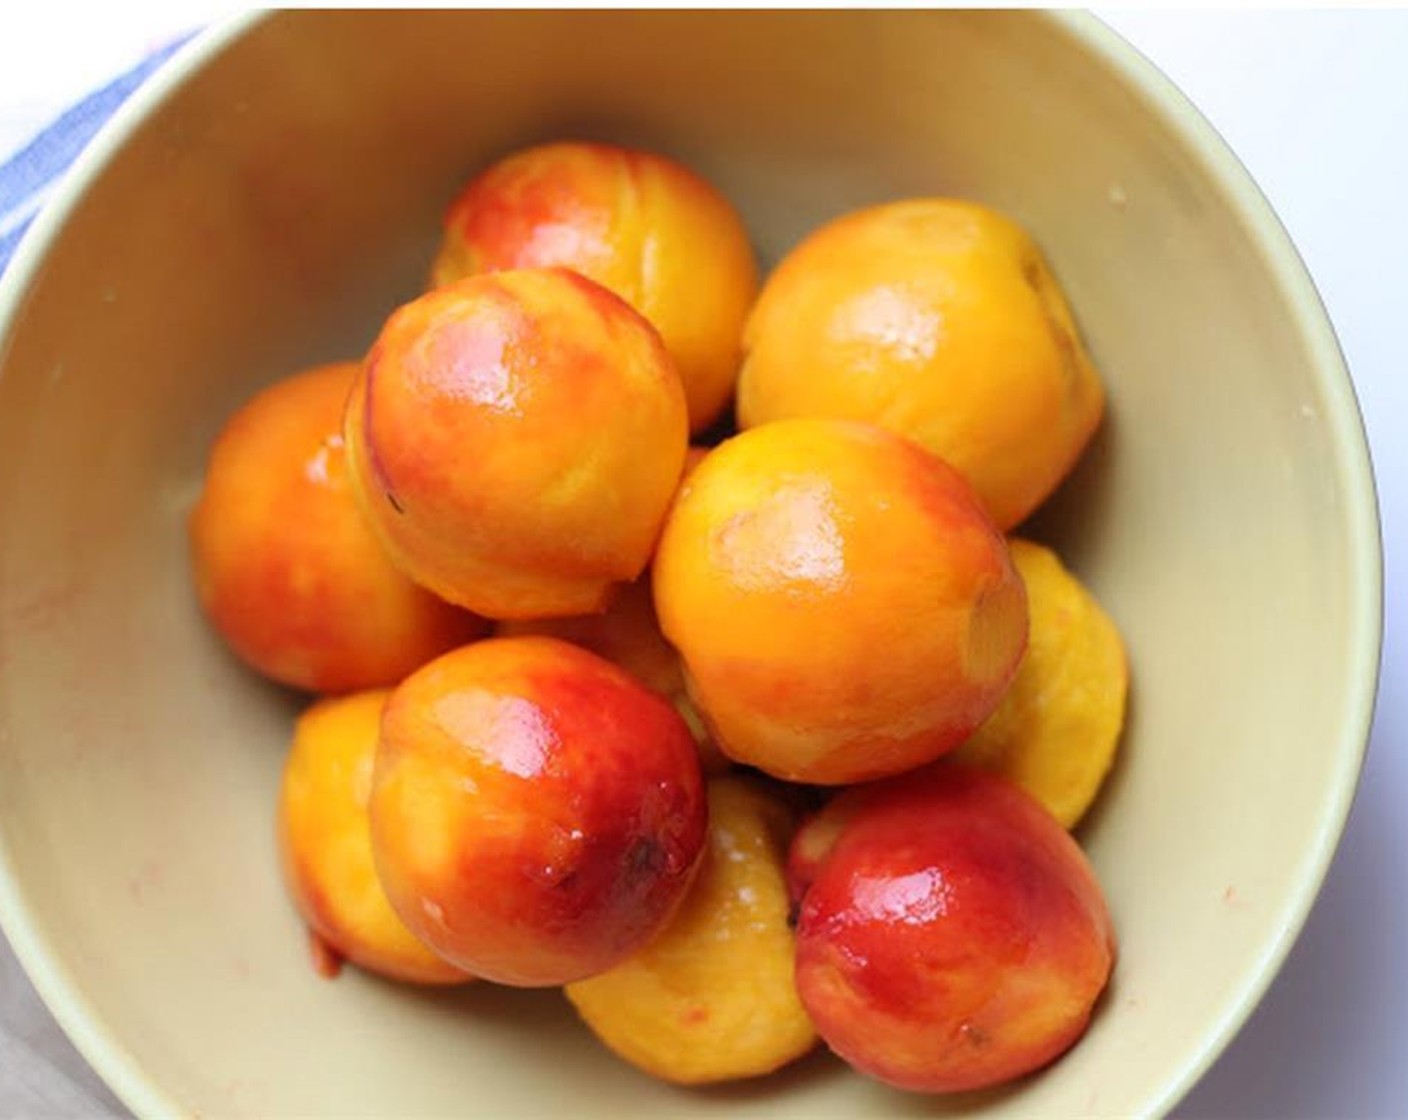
(86,1028)
(1349,450)
(1104,47)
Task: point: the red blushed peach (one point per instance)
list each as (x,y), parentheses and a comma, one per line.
(954,936)
(516,440)
(649,229)
(288,570)
(536,813)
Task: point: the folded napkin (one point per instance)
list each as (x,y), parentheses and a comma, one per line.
(29,177)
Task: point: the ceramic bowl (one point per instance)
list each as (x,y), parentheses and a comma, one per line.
(276,190)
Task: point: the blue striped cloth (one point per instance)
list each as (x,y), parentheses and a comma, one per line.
(29,176)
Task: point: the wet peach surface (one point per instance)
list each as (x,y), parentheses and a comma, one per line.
(953,936)
(844,607)
(286,567)
(516,439)
(940,320)
(649,229)
(537,814)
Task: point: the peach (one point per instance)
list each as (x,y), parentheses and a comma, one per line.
(628,633)
(812,843)
(954,936)
(940,320)
(712,998)
(515,440)
(1056,730)
(326,847)
(649,229)
(843,605)
(536,813)
(287,569)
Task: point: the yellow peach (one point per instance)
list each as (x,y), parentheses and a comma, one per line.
(326,847)
(712,998)
(1055,732)
(843,605)
(940,320)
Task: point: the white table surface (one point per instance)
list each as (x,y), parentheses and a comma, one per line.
(1316,105)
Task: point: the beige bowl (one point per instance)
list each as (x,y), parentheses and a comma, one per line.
(276,191)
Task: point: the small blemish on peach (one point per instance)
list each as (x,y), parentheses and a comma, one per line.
(644,858)
(972,1035)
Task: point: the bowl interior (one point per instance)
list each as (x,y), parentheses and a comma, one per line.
(286,195)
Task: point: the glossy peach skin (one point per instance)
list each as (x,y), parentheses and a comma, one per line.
(286,567)
(536,813)
(954,936)
(515,440)
(646,227)
(940,320)
(628,634)
(326,848)
(844,608)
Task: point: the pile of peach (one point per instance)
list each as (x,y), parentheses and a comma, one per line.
(592,692)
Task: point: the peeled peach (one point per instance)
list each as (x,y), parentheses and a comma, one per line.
(940,320)
(649,229)
(954,936)
(326,847)
(843,605)
(286,567)
(1056,730)
(515,440)
(628,633)
(712,998)
(537,814)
